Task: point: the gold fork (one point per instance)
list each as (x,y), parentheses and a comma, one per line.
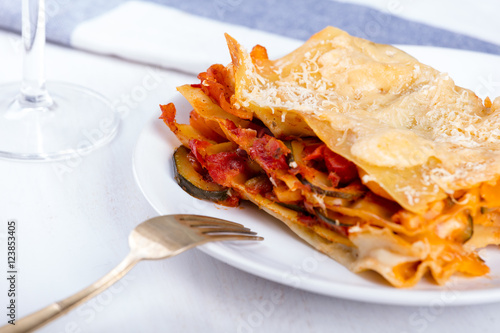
(157,238)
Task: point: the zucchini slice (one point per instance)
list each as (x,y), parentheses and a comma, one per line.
(295,207)
(487,210)
(348,192)
(336,219)
(193,182)
(468,231)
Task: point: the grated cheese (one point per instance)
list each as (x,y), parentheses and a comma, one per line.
(401,114)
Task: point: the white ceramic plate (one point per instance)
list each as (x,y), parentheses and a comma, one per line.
(282,256)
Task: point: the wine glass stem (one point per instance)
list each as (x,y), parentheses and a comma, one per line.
(33,90)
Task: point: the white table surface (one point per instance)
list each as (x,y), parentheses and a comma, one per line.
(73,228)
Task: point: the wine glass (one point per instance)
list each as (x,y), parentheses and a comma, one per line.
(44,122)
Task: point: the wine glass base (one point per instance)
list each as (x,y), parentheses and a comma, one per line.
(78,121)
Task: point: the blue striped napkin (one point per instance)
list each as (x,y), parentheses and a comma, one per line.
(167,32)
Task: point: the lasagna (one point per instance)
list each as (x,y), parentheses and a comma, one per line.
(373,158)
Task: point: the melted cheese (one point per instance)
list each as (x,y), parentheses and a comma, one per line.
(416,133)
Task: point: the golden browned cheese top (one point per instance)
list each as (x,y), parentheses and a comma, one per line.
(415,133)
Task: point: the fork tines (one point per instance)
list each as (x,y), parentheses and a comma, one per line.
(214,227)
(201,220)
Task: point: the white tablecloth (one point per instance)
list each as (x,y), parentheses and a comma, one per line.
(74,218)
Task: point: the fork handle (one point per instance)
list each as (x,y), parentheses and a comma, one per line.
(38,319)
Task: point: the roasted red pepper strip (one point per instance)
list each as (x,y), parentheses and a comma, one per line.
(224,166)
(314,152)
(259,185)
(215,84)
(168,115)
(198,150)
(268,151)
(259,54)
(221,167)
(342,167)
